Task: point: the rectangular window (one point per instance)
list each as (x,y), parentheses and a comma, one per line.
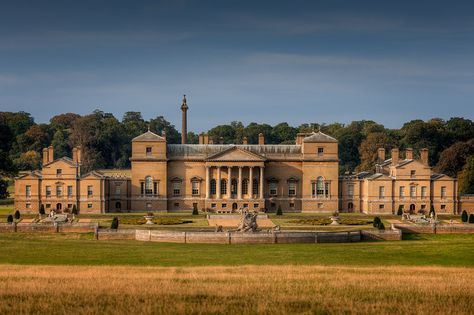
(59,172)
(381,192)
(118,189)
(350,190)
(443,207)
(48,205)
(195,188)
(402,191)
(292,204)
(213,205)
(176,204)
(224,205)
(59,191)
(381,206)
(69,191)
(155,188)
(423,191)
(246,205)
(28,206)
(412,191)
(48,191)
(291,189)
(255,205)
(443,192)
(423,207)
(28,191)
(412,173)
(69,205)
(142,188)
(320,151)
(148,151)
(176,188)
(272,187)
(320,205)
(89,191)
(89,205)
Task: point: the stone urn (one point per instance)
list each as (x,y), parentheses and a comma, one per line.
(149,218)
(335,218)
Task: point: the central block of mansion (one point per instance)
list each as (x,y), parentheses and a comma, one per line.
(176,177)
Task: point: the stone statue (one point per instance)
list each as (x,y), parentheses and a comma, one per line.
(248,221)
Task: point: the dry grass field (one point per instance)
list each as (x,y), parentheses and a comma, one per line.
(235,290)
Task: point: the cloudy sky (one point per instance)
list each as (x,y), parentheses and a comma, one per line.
(262,61)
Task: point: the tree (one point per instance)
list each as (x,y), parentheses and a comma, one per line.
(63,121)
(368,149)
(74,210)
(30,160)
(464,216)
(160,124)
(453,159)
(376,222)
(279,211)
(4,189)
(41,210)
(466,182)
(400,210)
(471,218)
(115,223)
(17,215)
(10,218)
(381,226)
(195,209)
(60,143)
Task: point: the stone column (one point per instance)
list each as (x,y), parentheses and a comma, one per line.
(208,181)
(261,182)
(251,182)
(229,180)
(239,184)
(218,183)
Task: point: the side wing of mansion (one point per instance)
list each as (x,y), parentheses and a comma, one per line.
(303,177)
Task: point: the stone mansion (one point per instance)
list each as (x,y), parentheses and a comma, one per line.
(302,177)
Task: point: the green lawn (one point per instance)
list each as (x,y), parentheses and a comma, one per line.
(76,249)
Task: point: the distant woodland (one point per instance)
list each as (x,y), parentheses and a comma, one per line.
(106,140)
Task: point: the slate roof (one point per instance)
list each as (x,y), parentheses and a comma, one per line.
(319,137)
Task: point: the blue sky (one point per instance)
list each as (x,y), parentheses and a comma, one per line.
(262,61)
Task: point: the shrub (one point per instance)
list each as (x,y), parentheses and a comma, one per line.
(377,222)
(471,218)
(115,223)
(381,226)
(10,219)
(41,210)
(400,210)
(464,216)
(17,214)
(74,210)
(195,210)
(279,211)
(421,211)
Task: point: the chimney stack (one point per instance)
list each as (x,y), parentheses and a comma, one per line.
(299,138)
(74,156)
(424,156)
(163,133)
(381,155)
(50,154)
(244,140)
(45,156)
(395,154)
(409,154)
(184,121)
(201,139)
(205,138)
(261,139)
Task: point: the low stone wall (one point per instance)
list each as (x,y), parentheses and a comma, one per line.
(246,238)
(436,229)
(48,227)
(120,234)
(384,235)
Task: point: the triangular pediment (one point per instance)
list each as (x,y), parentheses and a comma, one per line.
(236,154)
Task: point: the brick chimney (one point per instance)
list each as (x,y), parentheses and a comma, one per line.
(74,156)
(205,138)
(50,154)
(424,156)
(299,138)
(261,139)
(395,154)
(45,156)
(381,155)
(409,154)
(201,139)
(244,140)
(77,155)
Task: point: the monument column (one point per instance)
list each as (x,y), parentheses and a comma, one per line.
(251,182)
(261,182)
(218,183)
(229,180)
(208,188)
(239,184)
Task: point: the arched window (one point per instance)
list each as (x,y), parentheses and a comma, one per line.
(320,187)
(223,187)
(245,187)
(148,185)
(255,186)
(292,188)
(213,186)
(350,207)
(233,186)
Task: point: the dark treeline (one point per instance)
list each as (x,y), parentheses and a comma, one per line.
(106,140)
